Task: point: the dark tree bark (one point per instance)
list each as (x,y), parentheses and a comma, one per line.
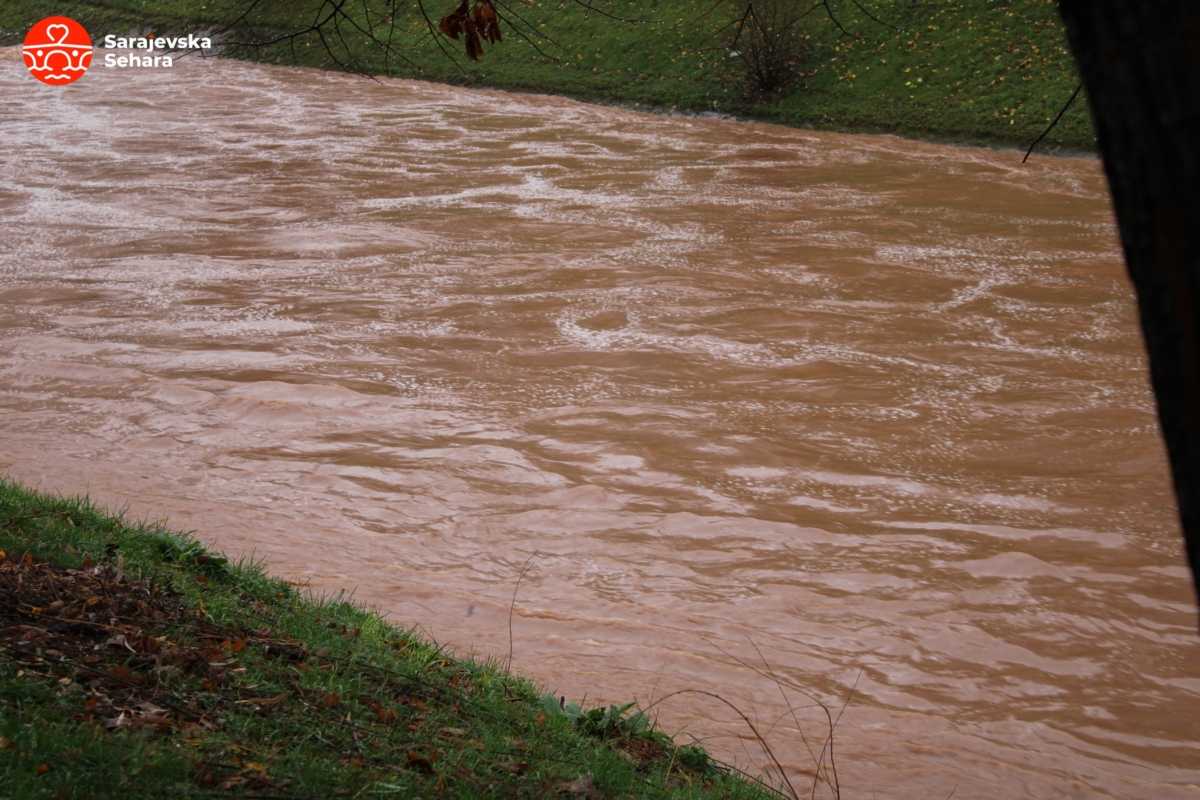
(1140,62)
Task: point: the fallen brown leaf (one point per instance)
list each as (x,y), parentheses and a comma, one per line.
(233,781)
(420,762)
(582,786)
(121,673)
(264,702)
(384,713)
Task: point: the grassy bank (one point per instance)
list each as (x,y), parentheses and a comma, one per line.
(134,663)
(970,70)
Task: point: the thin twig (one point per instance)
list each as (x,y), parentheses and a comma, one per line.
(314,26)
(587,4)
(230,26)
(517,30)
(779,685)
(834,19)
(1050,127)
(872,17)
(504,12)
(437,37)
(387,49)
(833,723)
(749,723)
(512,607)
(387,46)
(779,682)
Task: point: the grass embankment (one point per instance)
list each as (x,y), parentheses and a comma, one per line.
(134,663)
(992,71)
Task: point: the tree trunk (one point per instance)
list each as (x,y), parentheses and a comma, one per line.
(1140,62)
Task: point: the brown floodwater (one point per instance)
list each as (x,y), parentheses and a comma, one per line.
(872,411)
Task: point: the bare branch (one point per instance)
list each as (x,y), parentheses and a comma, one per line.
(517,30)
(512,607)
(437,36)
(749,723)
(835,20)
(313,27)
(587,4)
(240,19)
(370,34)
(866,12)
(1050,127)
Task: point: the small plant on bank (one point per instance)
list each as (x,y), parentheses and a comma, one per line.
(769,42)
(602,722)
(633,731)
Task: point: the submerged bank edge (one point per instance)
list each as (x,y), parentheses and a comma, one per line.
(201,674)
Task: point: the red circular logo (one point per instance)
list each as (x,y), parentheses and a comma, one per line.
(57,51)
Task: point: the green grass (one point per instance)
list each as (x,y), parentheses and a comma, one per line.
(993,71)
(135,663)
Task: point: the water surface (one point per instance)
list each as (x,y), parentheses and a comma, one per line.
(872,411)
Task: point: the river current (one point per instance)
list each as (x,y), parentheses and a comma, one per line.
(872,412)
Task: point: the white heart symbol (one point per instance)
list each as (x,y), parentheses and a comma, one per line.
(58,33)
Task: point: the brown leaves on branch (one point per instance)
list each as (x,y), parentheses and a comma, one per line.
(474,26)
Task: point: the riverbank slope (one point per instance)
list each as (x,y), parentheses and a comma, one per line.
(961,70)
(135,663)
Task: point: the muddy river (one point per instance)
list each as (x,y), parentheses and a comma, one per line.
(870,411)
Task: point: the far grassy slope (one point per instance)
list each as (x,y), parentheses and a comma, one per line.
(972,70)
(136,664)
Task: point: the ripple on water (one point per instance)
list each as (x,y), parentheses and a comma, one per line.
(869,409)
